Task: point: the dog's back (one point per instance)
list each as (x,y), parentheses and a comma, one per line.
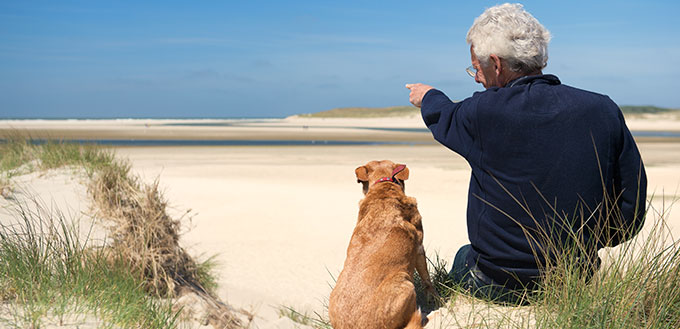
(375,288)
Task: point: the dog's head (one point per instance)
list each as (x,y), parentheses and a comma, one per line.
(377,171)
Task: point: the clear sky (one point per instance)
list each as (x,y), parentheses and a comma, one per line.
(75,59)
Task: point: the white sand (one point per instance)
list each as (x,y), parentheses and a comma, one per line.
(280,218)
(56,195)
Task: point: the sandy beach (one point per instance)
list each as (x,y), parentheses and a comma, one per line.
(279,218)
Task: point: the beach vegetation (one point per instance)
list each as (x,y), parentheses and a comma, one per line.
(314,320)
(143,251)
(48,276)
(439,275)
(636,285)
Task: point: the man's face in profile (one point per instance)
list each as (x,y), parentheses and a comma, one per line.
(485,75)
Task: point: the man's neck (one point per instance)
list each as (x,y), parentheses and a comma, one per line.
(511,76)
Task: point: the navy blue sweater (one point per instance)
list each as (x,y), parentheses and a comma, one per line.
(545,157)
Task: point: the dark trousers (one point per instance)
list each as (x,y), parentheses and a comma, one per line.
(473,281)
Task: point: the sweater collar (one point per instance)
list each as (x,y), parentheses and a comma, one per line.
(544,78)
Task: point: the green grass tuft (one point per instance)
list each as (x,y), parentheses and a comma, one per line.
(47,273)
(314,321)
(636,287)
(205,274)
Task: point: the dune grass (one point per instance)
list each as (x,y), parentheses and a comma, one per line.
(47,276)
(637,285)
(314,320)
(144,253)
(18,152)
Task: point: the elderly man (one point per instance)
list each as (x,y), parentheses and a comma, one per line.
(554,168)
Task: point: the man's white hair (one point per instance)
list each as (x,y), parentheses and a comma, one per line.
(511,33)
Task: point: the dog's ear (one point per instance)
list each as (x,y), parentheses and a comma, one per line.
(362,174)
(402,175)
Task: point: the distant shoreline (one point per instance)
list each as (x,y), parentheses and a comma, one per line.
(290,131)
(228,142)
(133,119)
(336,113)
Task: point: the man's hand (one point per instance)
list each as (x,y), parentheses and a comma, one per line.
(418,91)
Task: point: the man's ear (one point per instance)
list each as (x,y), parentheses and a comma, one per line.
(402,175)
(362,174)
(497,64)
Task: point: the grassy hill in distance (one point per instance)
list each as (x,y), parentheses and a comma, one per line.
(630,109)
(365,112)
(406,111)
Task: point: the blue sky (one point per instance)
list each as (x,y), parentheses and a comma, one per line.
(97,59)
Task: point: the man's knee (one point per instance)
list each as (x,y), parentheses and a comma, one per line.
(460,268)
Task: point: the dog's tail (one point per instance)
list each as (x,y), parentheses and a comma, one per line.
(416,321)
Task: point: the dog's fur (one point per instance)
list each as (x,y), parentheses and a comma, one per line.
(375,288)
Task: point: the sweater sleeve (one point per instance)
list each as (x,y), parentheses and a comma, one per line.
(451,123)
(630,181)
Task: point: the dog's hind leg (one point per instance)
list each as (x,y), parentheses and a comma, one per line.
(397,299)
(421,267)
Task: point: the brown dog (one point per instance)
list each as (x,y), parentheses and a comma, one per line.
(375,288)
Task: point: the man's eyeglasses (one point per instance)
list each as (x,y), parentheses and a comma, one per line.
(471,70)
